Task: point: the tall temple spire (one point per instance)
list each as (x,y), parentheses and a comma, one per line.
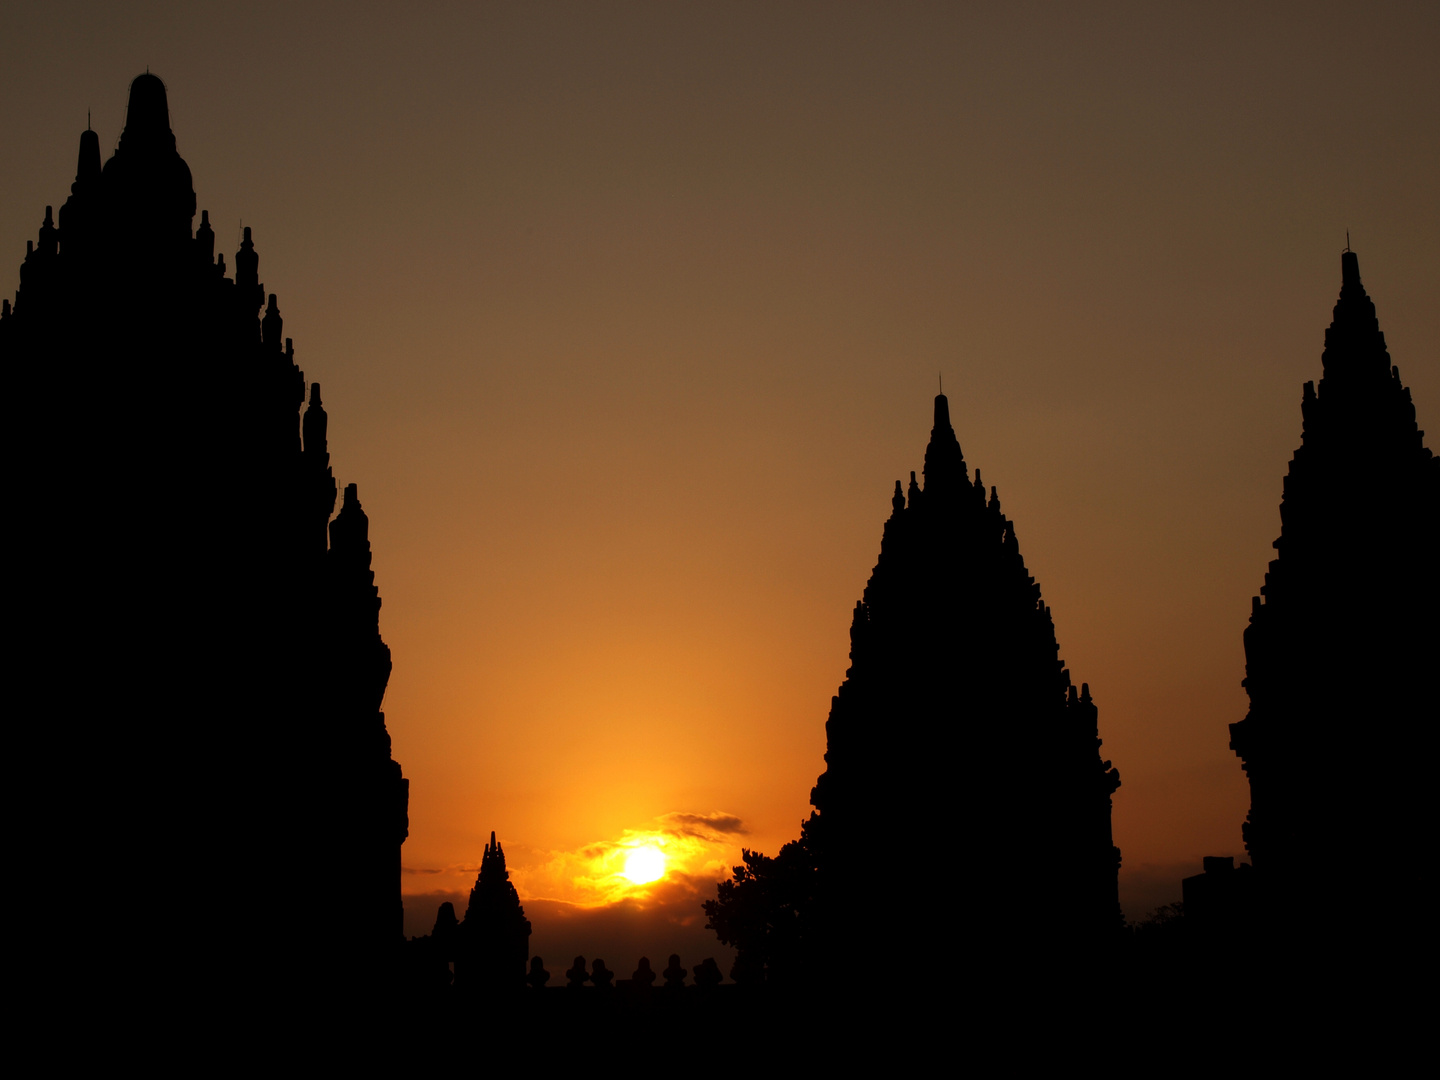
(1349,266)
(272,325)
(953,659)
(942,415)
(147,183)
(944,462)
(247,272)
(1336,657)
(315,427)
(205,239)
(242,613)
(147,115)
(79,212)
(494,938)
(1354,343)
(87,168)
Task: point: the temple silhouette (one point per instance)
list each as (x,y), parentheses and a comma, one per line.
(1340,657)
(202,634)
(486,954)
(200,639)
(958,748)
(495,936)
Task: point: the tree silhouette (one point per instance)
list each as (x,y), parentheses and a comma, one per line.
(767,912)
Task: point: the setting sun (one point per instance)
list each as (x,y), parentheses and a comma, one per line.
(644,865)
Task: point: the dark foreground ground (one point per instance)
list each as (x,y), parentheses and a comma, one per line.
(1135,1020)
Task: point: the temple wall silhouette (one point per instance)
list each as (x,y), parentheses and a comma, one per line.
(1341,653)
(201,636)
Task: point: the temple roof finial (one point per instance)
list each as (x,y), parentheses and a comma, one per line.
(944,462)
(1349,266)
(147,116)
(942,412)
(87,168)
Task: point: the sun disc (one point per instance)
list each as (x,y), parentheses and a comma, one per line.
(644,865)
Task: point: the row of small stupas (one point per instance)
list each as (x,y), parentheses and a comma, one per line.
(199,638)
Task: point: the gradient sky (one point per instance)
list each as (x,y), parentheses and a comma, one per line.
(629,316)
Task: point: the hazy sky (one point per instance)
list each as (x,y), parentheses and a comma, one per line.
(629,316)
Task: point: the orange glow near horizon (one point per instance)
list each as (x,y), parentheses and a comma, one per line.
(628,868)
(684,852)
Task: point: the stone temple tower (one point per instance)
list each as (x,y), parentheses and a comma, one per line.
(1341,655)
(494,939)
(197,639)
(959,753)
